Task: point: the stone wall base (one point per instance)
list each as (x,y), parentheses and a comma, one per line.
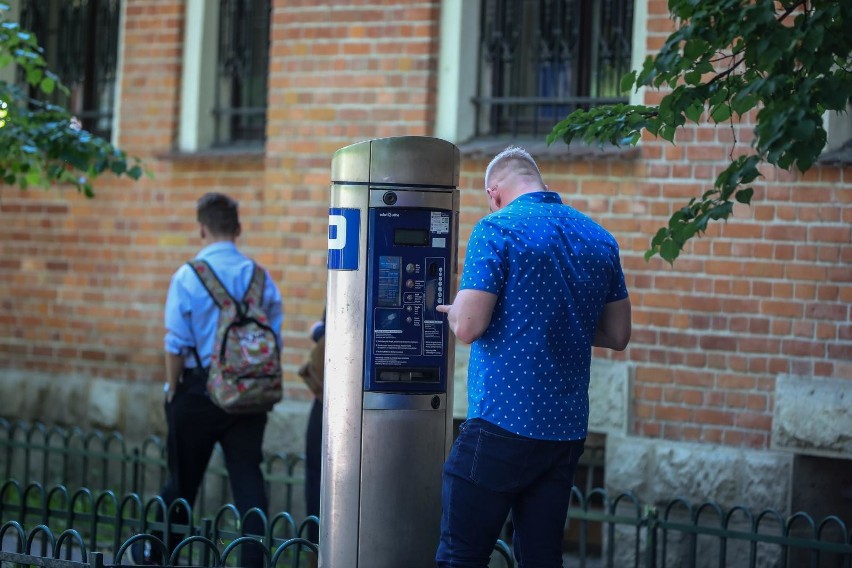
(658,471)
(134,409)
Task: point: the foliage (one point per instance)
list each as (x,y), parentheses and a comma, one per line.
(786,61)
(42,143)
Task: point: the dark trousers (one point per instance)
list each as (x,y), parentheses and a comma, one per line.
(491,472)
(313,466)
(195,426)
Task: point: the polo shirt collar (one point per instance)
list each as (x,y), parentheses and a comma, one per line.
(213,248)
(539,197)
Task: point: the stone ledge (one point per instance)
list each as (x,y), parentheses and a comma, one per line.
(609,397)
(133,408)
(812,416)
(658,471)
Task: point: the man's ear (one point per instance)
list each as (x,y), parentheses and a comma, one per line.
(239,231)
(202,231)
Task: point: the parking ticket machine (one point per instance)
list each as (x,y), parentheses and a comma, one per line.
(387,420)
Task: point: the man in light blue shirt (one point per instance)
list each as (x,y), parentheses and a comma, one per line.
(542,284)
(195,423)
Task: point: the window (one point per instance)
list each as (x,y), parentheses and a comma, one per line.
(80,42)
(239,108)
(838,144)
(541,59)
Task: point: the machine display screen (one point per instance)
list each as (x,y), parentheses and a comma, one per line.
(390,273)
(411,237)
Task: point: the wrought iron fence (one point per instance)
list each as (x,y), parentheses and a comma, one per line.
(98,530)
(110,524)
(610,530)
(683,534)
(96,460)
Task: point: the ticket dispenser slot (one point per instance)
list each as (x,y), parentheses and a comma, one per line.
(387,400)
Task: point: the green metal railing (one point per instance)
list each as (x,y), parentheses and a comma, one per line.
(610,530)
(105,460)
(109,524)
(687,535)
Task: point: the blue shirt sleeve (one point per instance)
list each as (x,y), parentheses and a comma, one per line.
(617,288)
(485,266)
(179,338)
(272,306)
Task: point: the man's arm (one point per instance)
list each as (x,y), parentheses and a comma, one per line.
(174,368)
(470,314)
(273,306)
(615,326)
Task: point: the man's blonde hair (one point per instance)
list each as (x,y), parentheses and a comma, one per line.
(515,157)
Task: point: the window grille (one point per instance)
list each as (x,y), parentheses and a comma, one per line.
(540,60)
(80,42)
(241,72)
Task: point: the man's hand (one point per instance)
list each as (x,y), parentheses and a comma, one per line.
(174,369)
(470,314)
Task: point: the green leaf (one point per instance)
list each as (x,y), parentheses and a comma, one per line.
(667,133)
(669,250)
(627,81)
(34,75)
(693,78)
(695,48)
(719,96)
(33,178)
(741,104)
(661,235)
(722,211)
(744,195)
(694,111)
(803,129)
(721,113)
(118,166)
(47,85)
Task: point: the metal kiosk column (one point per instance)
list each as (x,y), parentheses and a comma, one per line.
(387,420)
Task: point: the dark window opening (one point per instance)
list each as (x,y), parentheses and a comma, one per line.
(80,43)
(241,72)
(540,60)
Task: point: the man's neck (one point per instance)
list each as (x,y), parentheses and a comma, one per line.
(210,240)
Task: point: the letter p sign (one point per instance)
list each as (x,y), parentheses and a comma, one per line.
(344,229)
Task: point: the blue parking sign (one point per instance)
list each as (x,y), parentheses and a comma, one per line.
(344,230)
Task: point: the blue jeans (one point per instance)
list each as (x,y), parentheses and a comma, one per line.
(491,472)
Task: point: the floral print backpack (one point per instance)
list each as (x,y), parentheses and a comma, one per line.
(245,367)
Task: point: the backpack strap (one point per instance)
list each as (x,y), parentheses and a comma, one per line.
(220,294)
(254,294)
(214,286)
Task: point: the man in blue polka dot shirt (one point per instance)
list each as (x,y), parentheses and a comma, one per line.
(542,284)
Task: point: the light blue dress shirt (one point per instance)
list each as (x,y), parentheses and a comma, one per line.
(553,269)
(191,314)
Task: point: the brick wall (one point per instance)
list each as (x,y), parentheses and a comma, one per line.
(83,281)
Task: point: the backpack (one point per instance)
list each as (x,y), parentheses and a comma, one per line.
(313,369)
(245,366)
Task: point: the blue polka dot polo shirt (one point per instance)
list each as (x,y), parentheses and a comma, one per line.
(553,269)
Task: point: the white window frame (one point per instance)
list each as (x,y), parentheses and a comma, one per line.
(196,125)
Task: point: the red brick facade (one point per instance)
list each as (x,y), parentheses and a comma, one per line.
(84,281)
